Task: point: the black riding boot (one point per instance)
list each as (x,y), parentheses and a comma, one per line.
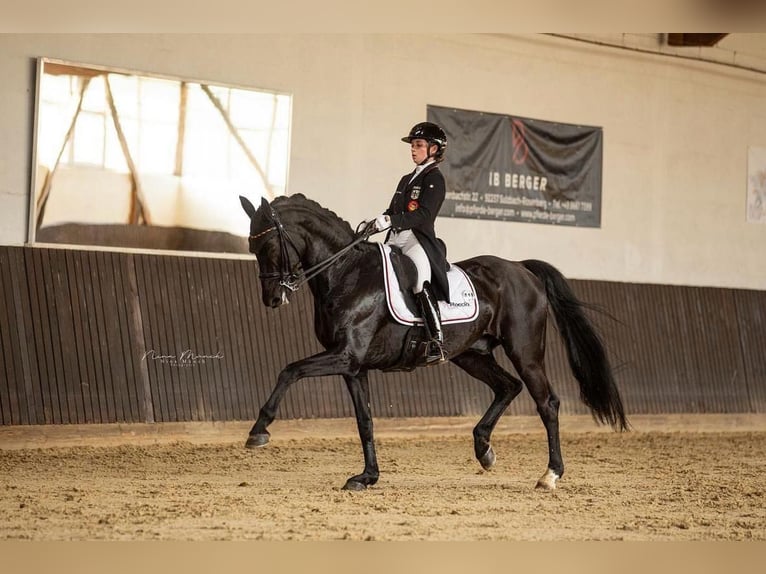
(429,308)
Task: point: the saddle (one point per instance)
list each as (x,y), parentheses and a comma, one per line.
(463,307)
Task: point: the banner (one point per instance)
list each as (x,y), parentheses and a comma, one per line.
(519,169)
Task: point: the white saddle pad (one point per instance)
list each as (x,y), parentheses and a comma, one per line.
(464,306)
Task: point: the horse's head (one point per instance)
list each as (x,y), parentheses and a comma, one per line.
(295,240)
(276,253)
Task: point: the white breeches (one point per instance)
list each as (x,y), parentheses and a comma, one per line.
(411,247)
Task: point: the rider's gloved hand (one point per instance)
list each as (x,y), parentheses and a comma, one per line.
(382,222)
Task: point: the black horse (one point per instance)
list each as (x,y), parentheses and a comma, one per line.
(296,240)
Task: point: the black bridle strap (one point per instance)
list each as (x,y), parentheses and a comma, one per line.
(315,270)
(287,275)
(286,272)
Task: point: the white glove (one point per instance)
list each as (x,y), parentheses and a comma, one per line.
(382,222)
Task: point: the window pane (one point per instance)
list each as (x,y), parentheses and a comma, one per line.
(282,118)
(159,101)
(205,149)
(278,159)
(125,93)
(157,152)
(95,95)
(252,110)
(89,139)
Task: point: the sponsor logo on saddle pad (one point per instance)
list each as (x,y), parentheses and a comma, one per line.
(463,306)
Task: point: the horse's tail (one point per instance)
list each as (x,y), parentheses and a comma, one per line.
(585,349)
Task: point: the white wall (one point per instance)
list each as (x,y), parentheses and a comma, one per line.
(676,134)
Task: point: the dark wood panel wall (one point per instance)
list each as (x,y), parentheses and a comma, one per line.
(101,337)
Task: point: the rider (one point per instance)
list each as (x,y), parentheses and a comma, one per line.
(410,217)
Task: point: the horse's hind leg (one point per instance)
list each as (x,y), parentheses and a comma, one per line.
(506,387)
(532,372)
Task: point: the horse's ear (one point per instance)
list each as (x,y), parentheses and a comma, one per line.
(247,206)
(264,204)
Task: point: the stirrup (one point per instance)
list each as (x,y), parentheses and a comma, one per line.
(434,352)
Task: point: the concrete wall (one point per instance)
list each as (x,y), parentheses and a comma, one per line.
(676,134)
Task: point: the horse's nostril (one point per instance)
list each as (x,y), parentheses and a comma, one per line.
(275,301)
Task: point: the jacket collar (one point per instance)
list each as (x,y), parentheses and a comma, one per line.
(422,169)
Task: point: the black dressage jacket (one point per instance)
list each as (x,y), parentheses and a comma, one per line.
(415,206)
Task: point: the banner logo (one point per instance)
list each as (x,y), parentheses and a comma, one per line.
(519,141)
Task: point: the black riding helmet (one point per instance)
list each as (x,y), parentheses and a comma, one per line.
(430,132)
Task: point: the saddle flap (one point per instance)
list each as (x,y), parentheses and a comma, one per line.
(463,308)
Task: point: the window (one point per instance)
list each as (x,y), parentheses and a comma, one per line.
(121,148)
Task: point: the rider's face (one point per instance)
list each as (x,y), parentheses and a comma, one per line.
(419,150)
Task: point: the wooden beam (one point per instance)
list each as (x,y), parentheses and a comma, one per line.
(181,135)
(691,40)
(57,69)
(138,210)
(63,69)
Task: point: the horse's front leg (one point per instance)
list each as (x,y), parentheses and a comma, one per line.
(359,388)
(325,363)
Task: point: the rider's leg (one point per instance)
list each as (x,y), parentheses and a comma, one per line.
(430,310)
(429,307)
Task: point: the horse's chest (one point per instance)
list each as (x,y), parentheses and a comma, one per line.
(337,317)
(326,325)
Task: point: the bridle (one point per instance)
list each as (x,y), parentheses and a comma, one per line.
(292,277)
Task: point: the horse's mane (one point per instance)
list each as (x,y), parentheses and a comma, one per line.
(301,200)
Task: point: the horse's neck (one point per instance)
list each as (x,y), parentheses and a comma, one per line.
(321,242)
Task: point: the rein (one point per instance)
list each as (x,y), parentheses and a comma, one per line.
(288,275)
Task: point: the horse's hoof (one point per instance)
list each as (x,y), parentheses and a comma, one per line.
(487,461)
(354,485)
(548,480)
(257,440)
